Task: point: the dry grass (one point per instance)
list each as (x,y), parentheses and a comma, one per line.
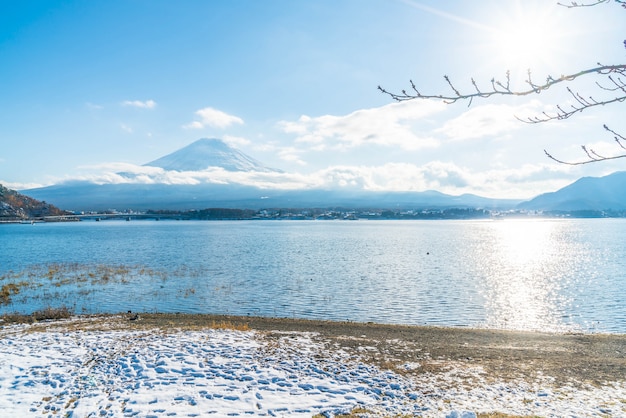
(229,325)
(8,290)
(359,412)
(355,413)
(62,312)
(48,313)
(108,322)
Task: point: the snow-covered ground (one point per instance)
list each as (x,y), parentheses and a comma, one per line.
(123,373)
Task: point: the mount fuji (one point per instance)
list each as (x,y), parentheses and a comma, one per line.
(211,174)
(205,153)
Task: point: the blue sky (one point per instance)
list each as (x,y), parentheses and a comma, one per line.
(88,88)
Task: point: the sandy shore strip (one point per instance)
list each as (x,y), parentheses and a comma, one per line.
(204,365)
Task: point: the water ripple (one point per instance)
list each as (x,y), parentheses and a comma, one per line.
(550,275)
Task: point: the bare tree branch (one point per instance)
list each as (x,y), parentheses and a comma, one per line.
(592,156)
(614,86)
(502,88)
(574,4)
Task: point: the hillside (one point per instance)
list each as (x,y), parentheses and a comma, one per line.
(587,193)
(16,206)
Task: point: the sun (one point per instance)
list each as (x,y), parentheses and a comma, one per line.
(527,37)
(522,44)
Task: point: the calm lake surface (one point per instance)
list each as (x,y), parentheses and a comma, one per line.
(552,275)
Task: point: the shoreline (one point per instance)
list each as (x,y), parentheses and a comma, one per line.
(569,358)
(194,365)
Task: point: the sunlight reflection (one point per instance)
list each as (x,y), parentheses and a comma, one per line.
(524,242)
(523,292)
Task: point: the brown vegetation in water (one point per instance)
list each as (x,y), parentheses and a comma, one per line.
(57,275)
(8,290)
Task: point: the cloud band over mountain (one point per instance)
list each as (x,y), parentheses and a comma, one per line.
(214,162)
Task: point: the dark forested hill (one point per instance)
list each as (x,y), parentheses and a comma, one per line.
(15,206)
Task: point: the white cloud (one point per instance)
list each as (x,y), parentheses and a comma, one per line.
(94,106)
(126,128)
(235,140)
(20,186)
(291,154)
(481,121)
(449,178)
(397,177)
(442,176)
(425,151)
(411,126)
(389,125)
(284,153)
(488,120)
(213,118)
(148,104)
(194,125)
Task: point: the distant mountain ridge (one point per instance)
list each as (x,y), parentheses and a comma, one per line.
(87,196)
(205,153)
(605,193)
(587,193)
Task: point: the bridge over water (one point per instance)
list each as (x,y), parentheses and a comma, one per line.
(107,216)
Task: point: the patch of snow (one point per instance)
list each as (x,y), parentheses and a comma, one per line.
(241,373)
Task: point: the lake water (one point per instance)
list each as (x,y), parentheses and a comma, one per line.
(552,275)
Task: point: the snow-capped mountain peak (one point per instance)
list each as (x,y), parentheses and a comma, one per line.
(205,153)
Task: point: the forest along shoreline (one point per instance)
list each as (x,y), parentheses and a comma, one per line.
(568,359)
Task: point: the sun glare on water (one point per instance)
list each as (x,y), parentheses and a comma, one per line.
(525,296)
